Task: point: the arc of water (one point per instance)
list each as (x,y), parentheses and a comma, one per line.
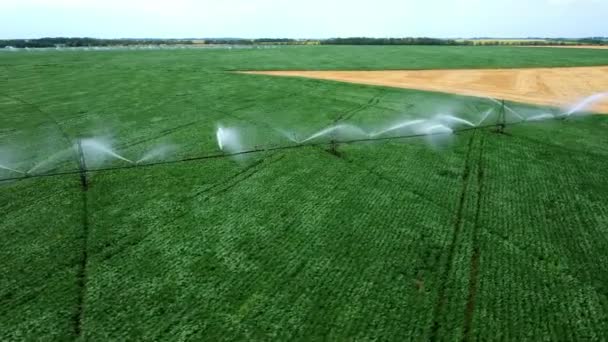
(332,129)
(514,112)
(405,124)
(438,129)
(98,146)
(540,117)
(10,169)
(157,152)
(485,116)
(219,135)
(49,160)
(228,139)
(322,132)
(586,103)
(289,135)
(508,108)
(455,119)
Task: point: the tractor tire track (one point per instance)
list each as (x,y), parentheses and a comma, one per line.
(212,191)
(573,151)
(175,129)
(135,242)
(235,180)
(474,268)
(458,223)
(372,102)
(392,182)
(229,179)
(161,134)
(81,276)
(48,115)
(247,120)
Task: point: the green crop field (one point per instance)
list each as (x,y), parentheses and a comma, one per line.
(470,236)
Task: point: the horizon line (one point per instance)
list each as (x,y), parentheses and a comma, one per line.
(309,38)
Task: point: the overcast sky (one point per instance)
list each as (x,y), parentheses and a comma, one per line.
(302,19)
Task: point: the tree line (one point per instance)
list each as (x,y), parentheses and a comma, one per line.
(85,42)
(388,41)
(465,42)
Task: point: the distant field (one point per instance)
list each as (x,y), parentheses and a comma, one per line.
(471,236)
(310,58)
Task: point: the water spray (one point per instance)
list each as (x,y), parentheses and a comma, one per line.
(12,170)
(438,129)
(585,103)
(501,123)
(228,140)
(156,153)
(219,136)
(454,119)
(55,157)
(485,116)
(289,135)
(327,131)
(99,146)
(401,125)
(82,166)
(540,117)
(507,108)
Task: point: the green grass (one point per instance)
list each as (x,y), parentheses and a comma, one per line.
(488,237)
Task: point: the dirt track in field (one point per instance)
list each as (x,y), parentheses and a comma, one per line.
(559,87)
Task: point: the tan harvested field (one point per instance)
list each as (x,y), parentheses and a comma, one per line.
(542,86)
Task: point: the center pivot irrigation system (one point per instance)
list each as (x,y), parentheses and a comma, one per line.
(82,144)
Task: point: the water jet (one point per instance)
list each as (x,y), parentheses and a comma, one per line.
(91,146)
(10,169)
(485,116)
(54,157)
(540,117)
(585,103)
(228,139)
(502,104)
(454,119)
(400,125)
(438,129)
(345,129)
(156,153)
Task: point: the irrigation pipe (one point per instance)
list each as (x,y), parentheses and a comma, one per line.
(252,151)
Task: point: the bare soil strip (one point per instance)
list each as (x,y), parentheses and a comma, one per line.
(558,87)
